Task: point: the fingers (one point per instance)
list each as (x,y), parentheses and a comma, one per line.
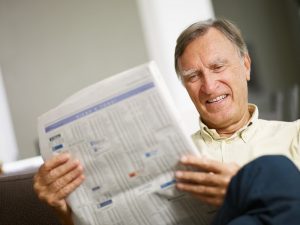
(202,190)
(54,197)
(210,200)
(57,178)
(203,178)
(61,178)
(202,163)
(210,195)
(54,162)
(209,188)
(64,171)
(210,182)
(56,167)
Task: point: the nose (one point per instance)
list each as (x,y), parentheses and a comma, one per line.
(208,84)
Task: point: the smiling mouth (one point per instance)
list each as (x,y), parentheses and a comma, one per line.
(217,99)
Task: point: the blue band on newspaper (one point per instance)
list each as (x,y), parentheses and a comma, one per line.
(106,203)
(99,106)
(167,184)
(57,147)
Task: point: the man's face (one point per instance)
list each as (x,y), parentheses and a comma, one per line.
(215,76)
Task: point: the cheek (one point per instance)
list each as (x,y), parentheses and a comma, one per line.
(240,91)
(238,83)
(193,91)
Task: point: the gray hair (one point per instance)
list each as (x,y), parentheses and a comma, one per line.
(198,29)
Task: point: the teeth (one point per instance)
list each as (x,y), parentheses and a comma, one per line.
(219,98)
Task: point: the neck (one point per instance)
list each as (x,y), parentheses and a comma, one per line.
(230,130)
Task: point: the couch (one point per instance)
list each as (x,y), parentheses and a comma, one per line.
(19,204)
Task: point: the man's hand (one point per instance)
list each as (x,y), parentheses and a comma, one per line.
(210,183)
(55,180)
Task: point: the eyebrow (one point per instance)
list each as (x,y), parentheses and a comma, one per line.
(219,61)
(188,72)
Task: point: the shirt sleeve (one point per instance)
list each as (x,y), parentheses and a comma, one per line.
(295,145)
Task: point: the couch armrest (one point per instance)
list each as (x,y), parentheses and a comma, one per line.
(19,204)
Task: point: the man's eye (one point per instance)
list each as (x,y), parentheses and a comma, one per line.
(192,78)
(218,68)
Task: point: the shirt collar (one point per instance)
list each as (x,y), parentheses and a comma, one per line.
(244,133)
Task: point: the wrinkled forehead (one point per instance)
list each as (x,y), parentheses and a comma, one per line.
(210,48)
(213,43)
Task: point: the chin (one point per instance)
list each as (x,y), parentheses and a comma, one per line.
(217,121)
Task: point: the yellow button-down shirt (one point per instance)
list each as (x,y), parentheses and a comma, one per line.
(259,137)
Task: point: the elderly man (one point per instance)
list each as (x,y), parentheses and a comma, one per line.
(213,63)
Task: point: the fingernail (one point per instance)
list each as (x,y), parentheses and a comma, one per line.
(183,159)
(80,166)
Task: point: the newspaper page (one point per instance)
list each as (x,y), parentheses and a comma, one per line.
(127,134)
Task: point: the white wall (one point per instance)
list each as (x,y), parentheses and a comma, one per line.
(162,22)
(8,144)
(50,49)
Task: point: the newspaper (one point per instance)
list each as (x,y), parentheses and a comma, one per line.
(127,134)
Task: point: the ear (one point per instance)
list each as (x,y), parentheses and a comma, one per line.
(247,65)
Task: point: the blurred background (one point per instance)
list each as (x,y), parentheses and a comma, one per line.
(50,49)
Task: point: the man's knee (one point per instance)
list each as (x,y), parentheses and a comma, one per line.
(275,164)
(266,189)
(270,168)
